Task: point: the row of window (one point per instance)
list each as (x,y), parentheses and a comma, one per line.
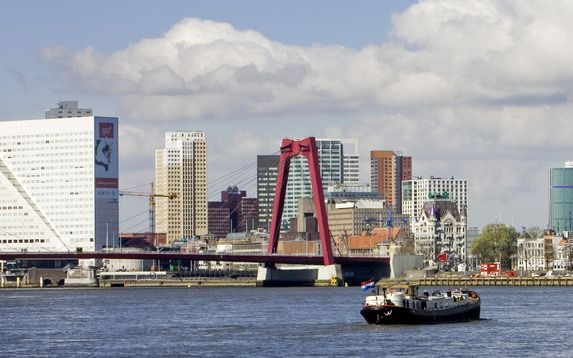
(48,135)
(22,241)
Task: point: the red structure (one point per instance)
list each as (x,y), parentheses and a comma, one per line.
(307,148)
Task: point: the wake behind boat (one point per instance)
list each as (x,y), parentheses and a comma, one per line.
(401,304)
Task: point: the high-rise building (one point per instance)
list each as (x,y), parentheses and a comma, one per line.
(68,109)
(59,184)
(418,191)
(181,171)
(267,173)
(331,158)
(561,198)
(351,161)
(234,213)
(388,169)
(337,166)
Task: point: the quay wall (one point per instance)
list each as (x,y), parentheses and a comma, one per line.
(494,281)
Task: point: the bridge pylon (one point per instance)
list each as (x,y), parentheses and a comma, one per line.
(307,148)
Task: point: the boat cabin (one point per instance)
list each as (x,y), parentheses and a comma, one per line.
(407,296)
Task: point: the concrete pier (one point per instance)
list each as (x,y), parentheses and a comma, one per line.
(300,276)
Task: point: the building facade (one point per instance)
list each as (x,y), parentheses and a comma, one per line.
(332,160)
(351,192)
(68,109)
(234,213)
(530,254)
(416,192)
(357,217)
(351,162)
(59,184)
(388,169)
(267,173)
(440,232)
(181,171)
(561,198)
(339,163)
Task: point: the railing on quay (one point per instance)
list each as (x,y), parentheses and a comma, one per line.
(495,281)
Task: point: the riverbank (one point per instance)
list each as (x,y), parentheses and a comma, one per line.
(252,282)
(489,281)
(173,283)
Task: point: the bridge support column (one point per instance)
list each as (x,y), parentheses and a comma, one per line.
(307,148)
(318,275)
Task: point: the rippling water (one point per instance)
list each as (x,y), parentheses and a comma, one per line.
(516,322)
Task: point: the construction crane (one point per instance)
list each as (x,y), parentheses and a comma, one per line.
(151,195)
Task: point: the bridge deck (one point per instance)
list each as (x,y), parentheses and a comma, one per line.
(151,255)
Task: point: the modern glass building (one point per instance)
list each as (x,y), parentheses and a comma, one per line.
(561,198)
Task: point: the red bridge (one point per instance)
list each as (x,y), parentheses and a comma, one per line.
(289,148)
(152,255)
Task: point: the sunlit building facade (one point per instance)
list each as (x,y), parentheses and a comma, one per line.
(388,169)
(59,184)
(181,177)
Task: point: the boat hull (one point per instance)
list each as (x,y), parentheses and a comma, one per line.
(400,315)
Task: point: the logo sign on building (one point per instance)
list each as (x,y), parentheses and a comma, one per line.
(105,130)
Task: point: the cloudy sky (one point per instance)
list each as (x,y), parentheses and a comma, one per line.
(480,90)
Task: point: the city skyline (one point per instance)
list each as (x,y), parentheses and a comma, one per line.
(476,90)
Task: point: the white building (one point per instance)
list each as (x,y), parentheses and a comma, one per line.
(351,161)
(181,170)
(440,229)
(335,167)
(530,254)
(550,252)
(418,191)
(58,184)
(563,259)
(68,109)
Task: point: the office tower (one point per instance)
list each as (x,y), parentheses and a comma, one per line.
(561,198)
(418,191)
(68,109)
(331,160)
(267,172)
(58,184)
(181,171)
(335,168)
(388,169)
(351,164)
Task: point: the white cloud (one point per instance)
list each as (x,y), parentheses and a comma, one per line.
(480,89)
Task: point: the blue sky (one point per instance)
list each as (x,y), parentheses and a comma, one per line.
(473,89)
(28,26)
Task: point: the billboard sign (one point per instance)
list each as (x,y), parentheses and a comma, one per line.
(106,157)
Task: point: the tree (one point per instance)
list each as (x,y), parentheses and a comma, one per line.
(497,242)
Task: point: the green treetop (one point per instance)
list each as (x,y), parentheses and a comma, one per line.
(497,242)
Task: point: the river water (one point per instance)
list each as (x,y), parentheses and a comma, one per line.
(270,322)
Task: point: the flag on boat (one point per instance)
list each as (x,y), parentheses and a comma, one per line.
(443,257)
(366,285)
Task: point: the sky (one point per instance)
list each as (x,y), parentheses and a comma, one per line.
(479,90)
